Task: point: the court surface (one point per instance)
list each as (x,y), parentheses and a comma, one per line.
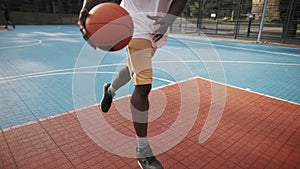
(214,104)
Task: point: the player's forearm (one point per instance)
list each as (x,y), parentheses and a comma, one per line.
(176,8)
(89,4)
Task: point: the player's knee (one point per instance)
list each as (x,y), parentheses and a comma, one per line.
(143,90)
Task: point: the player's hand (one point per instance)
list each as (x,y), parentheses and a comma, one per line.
(164,23)
(81,23)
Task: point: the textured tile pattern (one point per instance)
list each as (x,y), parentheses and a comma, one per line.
(255,131)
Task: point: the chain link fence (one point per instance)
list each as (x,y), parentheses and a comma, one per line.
(242,19)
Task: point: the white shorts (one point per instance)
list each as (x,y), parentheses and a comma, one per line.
(143,26)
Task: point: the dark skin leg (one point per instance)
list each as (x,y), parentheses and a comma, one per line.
(122,78)
(139,109)
(139,102)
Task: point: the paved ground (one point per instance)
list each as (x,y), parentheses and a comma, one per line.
(255,131)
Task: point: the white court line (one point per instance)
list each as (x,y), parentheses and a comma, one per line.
(35,42)
(231,61)
(58,70)
(276,98)
(65,71)
(55,74)
(40,74)
(68,73)
(239,48)
(82,108)
(122,97)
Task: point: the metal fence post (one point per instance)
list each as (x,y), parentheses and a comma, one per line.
(261,26)
(218,14)
(288,21)
(200,16)
(237,19)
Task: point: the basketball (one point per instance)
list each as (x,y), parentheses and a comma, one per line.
(110,26)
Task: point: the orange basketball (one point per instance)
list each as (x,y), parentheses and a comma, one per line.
(110,26)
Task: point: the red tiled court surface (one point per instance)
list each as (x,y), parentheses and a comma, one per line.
(255,131)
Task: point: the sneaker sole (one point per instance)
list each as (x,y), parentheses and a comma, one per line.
(145,167)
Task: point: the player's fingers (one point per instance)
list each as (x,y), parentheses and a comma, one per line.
(82,17)
(153,17)
(81,21)
(84,33)
(86,37)
(89,42)
(157,37)
(157,19)
(91,45)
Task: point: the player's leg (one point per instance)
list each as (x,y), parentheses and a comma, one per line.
(13,25)
(6,25)
(6,21)
(110,89)
(139,109)
(140,68)
(122,78)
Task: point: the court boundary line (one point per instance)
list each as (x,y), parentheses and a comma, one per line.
(81,108)
(210,42)
(34,43)
(122,97)
(73,70)
(247,90)
(185,39)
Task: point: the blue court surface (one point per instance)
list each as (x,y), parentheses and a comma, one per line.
(48,70)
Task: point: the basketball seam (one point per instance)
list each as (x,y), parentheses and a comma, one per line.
(124,35)
(104,23)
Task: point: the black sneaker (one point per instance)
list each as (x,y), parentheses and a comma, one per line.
(146,159)
(107,98)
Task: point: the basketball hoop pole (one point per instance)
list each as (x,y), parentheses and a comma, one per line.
(262,22)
